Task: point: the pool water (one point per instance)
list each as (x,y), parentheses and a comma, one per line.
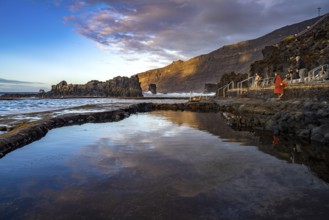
(158,165)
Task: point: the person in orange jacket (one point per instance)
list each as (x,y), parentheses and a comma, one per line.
(279,85)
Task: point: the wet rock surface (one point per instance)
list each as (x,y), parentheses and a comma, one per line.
(306,119)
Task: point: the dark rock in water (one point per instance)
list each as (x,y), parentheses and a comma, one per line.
(153,88)
(116,87)
(321,134)
(304,133)
(209,88)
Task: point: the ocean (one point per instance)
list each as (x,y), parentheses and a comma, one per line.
(22,106)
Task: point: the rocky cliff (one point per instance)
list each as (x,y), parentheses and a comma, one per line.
(191,75)
(312,46)
(116,87)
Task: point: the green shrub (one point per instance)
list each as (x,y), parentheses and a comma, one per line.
(289,38)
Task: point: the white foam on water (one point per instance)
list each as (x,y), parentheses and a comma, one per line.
(177,95)
(23,106)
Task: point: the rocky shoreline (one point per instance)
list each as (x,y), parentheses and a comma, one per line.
(304,119)
(299,118)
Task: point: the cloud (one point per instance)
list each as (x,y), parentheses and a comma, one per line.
(8,81)
(7,85)
(77,5)
(4,88)
(181,29)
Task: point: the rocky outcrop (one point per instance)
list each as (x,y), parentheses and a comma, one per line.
(313,47)
(320,133)
(191,75)
(305,119)
(209,88)
(116,87)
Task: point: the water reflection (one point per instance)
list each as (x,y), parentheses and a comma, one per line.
(315,156)
(159,165)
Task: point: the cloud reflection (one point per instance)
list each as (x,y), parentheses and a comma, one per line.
(133,168)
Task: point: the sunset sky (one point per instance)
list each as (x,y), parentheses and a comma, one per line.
(45,41)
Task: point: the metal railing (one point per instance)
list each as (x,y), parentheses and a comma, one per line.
(318,73)
(239,85)
(266,82)
(226,88)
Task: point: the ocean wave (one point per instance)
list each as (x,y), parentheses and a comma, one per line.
(21,106)
(177,95)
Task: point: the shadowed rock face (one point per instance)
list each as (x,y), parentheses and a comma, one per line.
(192,75)
(116,87)
(153,88)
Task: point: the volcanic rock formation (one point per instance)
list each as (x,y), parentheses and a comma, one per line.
(116,87)
(193,74)
(312,47)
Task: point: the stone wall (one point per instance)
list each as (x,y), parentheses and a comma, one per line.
(318,92)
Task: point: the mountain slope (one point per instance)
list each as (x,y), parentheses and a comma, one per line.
(312,46)
(192,74)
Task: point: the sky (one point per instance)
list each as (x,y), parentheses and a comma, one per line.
(43,42)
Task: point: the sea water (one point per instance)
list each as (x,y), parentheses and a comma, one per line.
(21,106)
(29,105)
(158,165)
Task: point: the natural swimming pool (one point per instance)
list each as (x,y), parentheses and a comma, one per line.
(157,165)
